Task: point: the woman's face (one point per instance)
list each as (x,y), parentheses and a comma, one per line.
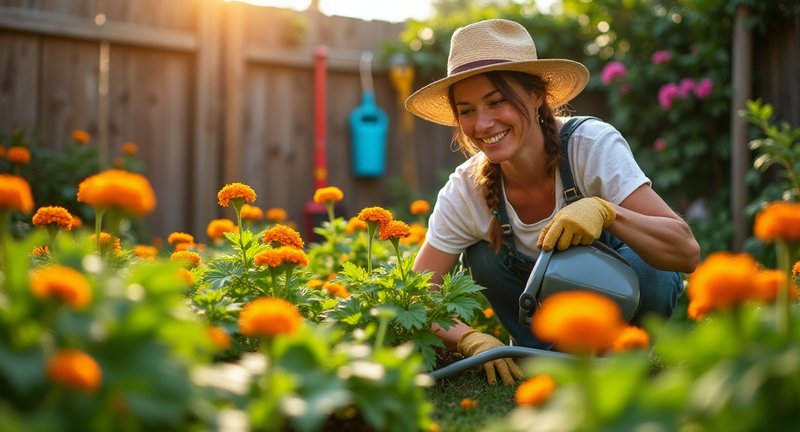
(490,121)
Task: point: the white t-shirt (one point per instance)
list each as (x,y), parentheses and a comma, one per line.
(602,165)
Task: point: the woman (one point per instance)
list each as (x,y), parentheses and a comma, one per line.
(503,101)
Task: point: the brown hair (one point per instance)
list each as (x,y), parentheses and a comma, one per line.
(487,174)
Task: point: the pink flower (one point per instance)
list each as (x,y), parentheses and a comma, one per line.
(659,144)
(660,56)
(612,71)
(704,88)
(685,88)
(667,94)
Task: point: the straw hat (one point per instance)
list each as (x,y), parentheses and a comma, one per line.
(490,45)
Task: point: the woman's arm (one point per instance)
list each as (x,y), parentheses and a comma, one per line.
(656,233)
(433,260)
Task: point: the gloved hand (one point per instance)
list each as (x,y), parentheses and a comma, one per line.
(578,223)
(474,342)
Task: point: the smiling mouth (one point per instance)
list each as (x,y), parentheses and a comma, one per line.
(494,139)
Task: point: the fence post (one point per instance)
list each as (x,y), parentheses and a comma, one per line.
(740,154)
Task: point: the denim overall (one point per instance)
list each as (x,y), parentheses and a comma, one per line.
(504,274)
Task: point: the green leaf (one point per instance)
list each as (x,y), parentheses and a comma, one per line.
(413,317)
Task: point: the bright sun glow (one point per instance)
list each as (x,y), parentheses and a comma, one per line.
(384,10)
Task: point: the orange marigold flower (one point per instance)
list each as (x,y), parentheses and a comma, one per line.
(282,235)
(723,280)
(145,252)
(270,257)
(190,258)
(76,222)
(419,207)
(293,255)
(18,154)
(127,191)
(184,246)
(217,227)
(394,229)
(769,282)
(315,283)
(417,236)
(81,136)
(15,194)
(377,215)
(779,221)
(330,194)
(276,214)
(251,212)
(108,241)
(468,403)
(75,369)
(697,310)
(336,290)
(41,250)
(62,282)
(186,276)
(535,390)
(234,191)
(53,215)
(796,269)
(578,322)
(219,337)
(130,148)
(355,224)
(632,337)
(269,317)
(180,237)
(488,312)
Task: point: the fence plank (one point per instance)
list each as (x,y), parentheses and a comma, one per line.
(19,74)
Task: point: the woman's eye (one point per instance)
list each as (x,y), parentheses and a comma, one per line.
(464,111)
(496,102)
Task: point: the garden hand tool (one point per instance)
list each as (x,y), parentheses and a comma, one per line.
(474,342)
(578,223)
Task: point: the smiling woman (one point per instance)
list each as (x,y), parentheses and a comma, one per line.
(384,10)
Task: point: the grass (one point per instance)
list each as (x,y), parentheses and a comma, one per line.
(494,401)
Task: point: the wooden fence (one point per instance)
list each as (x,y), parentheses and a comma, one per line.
(212,93)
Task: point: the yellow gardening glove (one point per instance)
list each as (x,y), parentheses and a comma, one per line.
(474,342)
(578,223)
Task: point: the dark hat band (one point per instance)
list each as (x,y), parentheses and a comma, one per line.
(476,64)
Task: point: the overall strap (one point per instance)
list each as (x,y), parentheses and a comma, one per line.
(571,193)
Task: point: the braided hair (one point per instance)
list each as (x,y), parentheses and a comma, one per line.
(488,174)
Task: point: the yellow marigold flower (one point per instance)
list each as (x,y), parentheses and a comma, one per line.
(417,235)
(217,227)
(76,222)
(276,214)
(108,241)
(234,191)
(81,136)
(219,337)
(768,282)
(779,221)
(190,258)
(180,237)
(130,148)
(145,252)
(355,224)
(535,390)
(186,276)
(630,338)
(315,283)
(62,282)
(18,154)
(394,229)
(251,212)
(377,215)
(269,317)
(578,322)
(337,290)
(113,188)
(41,250)
(75,369)
(53,215)
(419,207)
(468,403)
(330,194)
(488,312)
(15,194)
(282,235)
(723,280)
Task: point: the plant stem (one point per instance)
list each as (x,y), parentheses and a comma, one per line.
(584,370)
(371,228)
(782,303)
(98,224)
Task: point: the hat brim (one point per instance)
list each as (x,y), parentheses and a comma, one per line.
(565,78)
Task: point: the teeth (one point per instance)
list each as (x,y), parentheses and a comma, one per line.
(494,139)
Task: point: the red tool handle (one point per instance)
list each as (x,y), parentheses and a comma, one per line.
(320,130)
